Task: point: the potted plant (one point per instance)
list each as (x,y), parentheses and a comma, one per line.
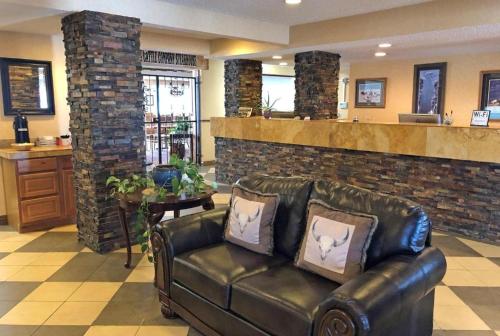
(186,181)
(268,106)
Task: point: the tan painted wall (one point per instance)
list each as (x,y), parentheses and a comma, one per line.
(171,43)
(212,104)
(462,85)
(46,48)
(37,47)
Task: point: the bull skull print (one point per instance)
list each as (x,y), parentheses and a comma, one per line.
(242,219)
(327,243)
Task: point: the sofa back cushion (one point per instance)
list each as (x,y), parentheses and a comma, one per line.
(294,193)
(402,228)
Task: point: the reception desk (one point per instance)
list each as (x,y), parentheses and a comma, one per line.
(453,171)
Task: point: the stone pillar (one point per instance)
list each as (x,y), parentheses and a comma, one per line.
(243,86)
(107,117)
(316,84)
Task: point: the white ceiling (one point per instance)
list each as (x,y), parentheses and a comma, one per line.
(308,11)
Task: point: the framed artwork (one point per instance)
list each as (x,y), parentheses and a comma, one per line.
(27,87)
(490,93)
(370,93)
(429,82)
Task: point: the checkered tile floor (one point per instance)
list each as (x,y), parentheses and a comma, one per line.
(52,285)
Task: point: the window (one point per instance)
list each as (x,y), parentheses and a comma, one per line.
(280,89)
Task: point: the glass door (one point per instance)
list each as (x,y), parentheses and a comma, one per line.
(172,118)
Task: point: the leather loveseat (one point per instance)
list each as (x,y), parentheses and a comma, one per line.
(224,289)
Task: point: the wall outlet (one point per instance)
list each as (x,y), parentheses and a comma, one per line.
(343,105)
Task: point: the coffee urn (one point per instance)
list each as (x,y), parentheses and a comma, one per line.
(21,129)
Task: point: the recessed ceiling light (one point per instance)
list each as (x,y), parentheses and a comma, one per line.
(283,63)
(277,57)
(293,2)
(385,45)
(380,54)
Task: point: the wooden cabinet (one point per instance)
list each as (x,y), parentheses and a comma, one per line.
(39,192)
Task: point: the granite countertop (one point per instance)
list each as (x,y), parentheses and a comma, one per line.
(36,152)
(450,142)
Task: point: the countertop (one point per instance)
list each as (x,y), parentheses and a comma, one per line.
(430,140)
(36,152)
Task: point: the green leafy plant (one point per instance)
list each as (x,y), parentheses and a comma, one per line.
(148,192)
(267,105)
(191,182)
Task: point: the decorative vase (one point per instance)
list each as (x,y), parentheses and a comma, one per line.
(164,174)
(266,113)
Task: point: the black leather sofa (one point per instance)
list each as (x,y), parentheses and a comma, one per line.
(223,289)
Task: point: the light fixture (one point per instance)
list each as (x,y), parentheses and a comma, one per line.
(293,2)
(385,45)
(283,63)
(277,57)
(380,54)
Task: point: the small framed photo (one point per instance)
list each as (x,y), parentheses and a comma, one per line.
(480,118)
(490,93)
(370,93)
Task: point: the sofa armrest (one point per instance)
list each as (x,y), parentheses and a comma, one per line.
(370,303)
(173,237)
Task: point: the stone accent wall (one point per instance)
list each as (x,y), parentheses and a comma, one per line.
(316,84)
(243,86)
(459,196)
(107,116)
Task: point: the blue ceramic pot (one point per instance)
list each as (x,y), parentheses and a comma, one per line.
(164,174)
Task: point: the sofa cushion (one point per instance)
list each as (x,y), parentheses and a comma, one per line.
(210,271)
(282,300)
(290,218)
(403,226)
(251,220)
(335,242)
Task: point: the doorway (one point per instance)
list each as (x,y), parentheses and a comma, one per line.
(172,116)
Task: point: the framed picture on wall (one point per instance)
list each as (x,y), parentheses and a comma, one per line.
(370,92)
(429,82)
(27,87)
(490,93)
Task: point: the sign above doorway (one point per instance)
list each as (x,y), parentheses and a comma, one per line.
(162,58)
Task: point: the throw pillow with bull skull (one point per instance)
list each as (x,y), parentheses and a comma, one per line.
(251,220)
(335,241)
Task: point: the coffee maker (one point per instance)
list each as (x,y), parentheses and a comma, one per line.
(21,129)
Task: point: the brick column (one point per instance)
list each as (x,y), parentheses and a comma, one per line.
(107,116)
(243,86)
(316,84)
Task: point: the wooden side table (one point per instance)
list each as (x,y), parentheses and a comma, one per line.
(130,203)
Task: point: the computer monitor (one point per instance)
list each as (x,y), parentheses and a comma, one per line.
(420,118)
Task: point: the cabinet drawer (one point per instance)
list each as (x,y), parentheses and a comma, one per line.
(40,209)
(36,165)
(38,184)
(66,162)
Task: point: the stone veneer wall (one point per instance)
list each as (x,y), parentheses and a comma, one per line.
(243,85)
(107,116)
(459,196)
(316,84)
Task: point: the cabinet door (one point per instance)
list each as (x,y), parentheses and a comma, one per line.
(68,193)
(39,209)
(38,184)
